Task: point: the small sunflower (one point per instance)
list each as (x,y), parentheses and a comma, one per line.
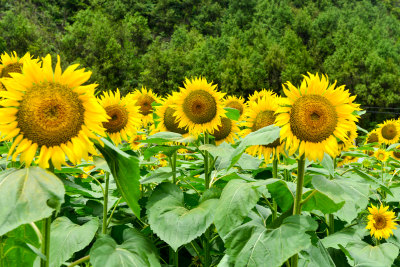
(133,141)
(395,153)
(261,114)
(350,142)
(347,160)
(124,115)
(50,111)
(259,94)
(11,64)
(389,132)
(381,222)
(198,106)
(228,131)
(381,155)
(236,103)
(144,98)
(315,116)
(372,137)
(167,120)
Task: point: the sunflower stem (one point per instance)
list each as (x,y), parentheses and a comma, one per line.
(206,239)
(1,251)
(46,224)
(173,166)
(274,175)
(301,162)
(83,259)
(105,204)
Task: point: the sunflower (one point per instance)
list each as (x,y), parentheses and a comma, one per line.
(124,115)
(381,155)
(228,131)
(236,103)
(315,116)
(144,98)
(261,114)
(389,132)
(198,106)
(381,222)
(350,142)
(50,111)
(10,64)
(259,94)
(372,137)
(133,141)
(347,160)
(167,119)
(395,153)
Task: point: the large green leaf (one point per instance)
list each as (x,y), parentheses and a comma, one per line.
(15,242)
(125,170)
(136,251)
(252,244)
(344,237)
(28,195)
(320,201)
(237,199)
(354,194)
(281,192)
(172,221)
(66,238)
(316,256)
(232,113)
(365,255)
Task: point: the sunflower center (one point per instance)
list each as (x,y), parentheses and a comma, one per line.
(144,101)
(50,114)
(380,221)
(313,118)
(13,67)
(389,131)
(381,156)
(200,106)
(263,119)
(170,122)
(119,118)
(372,138)
(235,105)
(223,130)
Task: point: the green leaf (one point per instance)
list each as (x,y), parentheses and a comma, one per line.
(16,242)
(280,191)
(135,250)
(354,194)
(172,221)
(316,256)
(237,199)
(158,176)
(327,163)
(372,256)
(344,237)
(125,170)
(28,195)
(67,238)
(232,113)
(166,150)
(320,201)
(263,136)
(252,244)
(372,179)
(166,137)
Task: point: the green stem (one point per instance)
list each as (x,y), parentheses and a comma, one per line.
(46,224)
(206,163)
(206,245)
(86,258)
(112,213)
(105,204)
(274,175)
(1,251)
(173,166)
(331,223)
(299,192)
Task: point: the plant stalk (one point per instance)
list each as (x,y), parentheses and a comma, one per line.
(173,166)
(274,175)
(299,192)
(86,258)
(206,240)
(105,204)
(46,224)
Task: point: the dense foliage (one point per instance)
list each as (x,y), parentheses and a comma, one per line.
(241,45)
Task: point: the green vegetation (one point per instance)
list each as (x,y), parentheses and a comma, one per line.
(241,46)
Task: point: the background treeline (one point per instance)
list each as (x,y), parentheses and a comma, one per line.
(241,45)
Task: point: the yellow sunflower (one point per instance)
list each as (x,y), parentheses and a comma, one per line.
(133,141)
(227,132)
(381,222)
(144,98)
(236,103)
(350,141)
(389,132)
(259,94)
(125,117)
(372,137)
(11,63)
(381,154)
(198,106)
(261,114)
(50,111)
(167,120)
(315,116)
(395,153)
(347,160)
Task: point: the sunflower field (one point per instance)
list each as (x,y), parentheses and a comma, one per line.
(192,178)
